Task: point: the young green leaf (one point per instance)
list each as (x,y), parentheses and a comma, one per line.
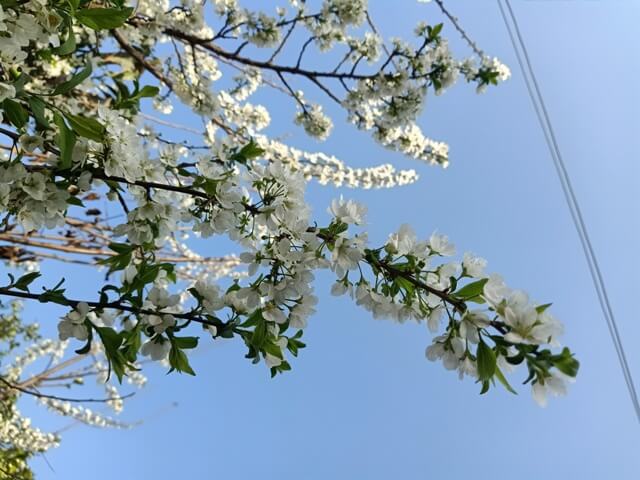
(69,45)
(86,127)
(37,107)
(147,91)
(178,361)
(185,342)
(566,363)
(486,359)
(65,139)
(103,18)
(111,341)
(15,113)
(502,379)
(472,289)
(24,281)
(74,81)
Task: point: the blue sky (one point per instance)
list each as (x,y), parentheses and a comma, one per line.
(362,402)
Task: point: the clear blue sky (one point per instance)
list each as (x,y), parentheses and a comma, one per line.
(362,402)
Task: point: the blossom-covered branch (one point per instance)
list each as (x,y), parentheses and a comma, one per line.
(78,81)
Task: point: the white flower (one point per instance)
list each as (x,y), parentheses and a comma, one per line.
(467,367)
(405,242)
(72,324)
(6,91)
(434,318)
(301,312)
(339,288)
(315,122)
(348,211)
(35,185)
(160,298)
(473,266)
(274,314)
(211,298)
(157,348)
(213,330)
(440,245)
(495,291)
(160,322)
(555,384)
(275,360)
(346,255)
(30,142)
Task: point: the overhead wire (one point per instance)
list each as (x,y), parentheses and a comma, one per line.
(544,119)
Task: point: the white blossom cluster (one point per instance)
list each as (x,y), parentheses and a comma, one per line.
(32,197)
(81,414)
(24,369)
(74,121)
(17,430)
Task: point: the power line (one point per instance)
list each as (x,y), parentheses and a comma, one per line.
(572,202)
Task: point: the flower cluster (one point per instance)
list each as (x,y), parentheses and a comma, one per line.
(84,127)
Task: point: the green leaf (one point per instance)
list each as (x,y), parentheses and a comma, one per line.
(146,274)
(406,285)
(293,344)
(486,360)
(19,83)
(471,290)
(485,387)
(74,4)
(24,281)
(566,363)
(112,341)
(53,296)
(121,247)
(272,349)
(69,45)
(87,346)
(249,151)
(74,81)
(542,308)
(65,139)
(259,333)
(501,378)
(147,91)
(103,18)
(283,367)
(178,361)
(15,113)
(434,31)
(75,201)
(516,359)
(132,343)
(86,127)
(38,110)
(185,342)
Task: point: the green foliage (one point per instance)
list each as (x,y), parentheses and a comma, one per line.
(15,113)
(38,107)
(74,81)
(125,99)
(86,127)
(65,139)
(24,281)
(13,464)
(103,18)
(112,340)
(486,359)
(471,290)
(13,335)
(177,358)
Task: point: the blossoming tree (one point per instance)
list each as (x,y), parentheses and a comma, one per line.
(79,83)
